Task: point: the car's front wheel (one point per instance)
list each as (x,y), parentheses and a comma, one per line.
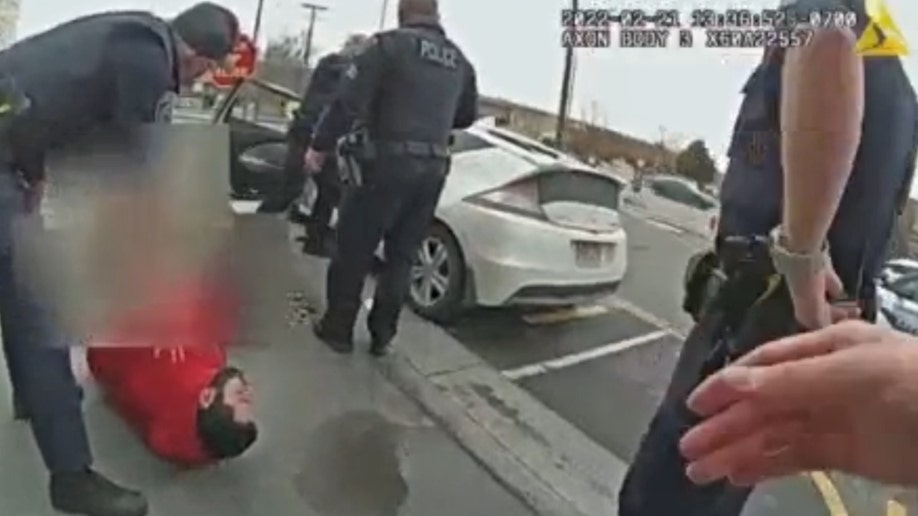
(437,277)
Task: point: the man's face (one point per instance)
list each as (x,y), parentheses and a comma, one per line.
(236,394)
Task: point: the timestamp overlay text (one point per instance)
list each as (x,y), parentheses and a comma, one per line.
(696,28)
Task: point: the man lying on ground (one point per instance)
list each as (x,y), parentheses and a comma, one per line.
(164,370)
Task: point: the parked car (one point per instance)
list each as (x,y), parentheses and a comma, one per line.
(897,268)
(518,223)
(898,302)
(676,201)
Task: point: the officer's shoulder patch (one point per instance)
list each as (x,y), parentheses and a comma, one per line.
(165,106)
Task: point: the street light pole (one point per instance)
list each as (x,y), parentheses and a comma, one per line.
(313,9)
(258,10)
(382,14)
(565,89)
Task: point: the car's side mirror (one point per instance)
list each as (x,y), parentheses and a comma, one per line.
(265,158)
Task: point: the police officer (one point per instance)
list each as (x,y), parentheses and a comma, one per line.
(323,85)
(409,88)
(822,157)
(121,68)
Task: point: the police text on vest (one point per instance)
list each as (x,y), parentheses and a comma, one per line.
(440,54)
(643,38)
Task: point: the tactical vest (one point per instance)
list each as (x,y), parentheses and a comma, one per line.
(418,98)
(752,190)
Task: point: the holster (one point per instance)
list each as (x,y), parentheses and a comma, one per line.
(737,285)
(703,279)
(354,154)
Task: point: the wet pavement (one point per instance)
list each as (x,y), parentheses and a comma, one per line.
(336,438)
(604,368)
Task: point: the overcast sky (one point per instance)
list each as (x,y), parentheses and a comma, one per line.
(515,44)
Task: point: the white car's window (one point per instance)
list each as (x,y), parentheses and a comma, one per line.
(907,288)
(465,142)
(679,192)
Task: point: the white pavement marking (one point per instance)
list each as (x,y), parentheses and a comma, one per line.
(664,226)
(583,356)
(245,207)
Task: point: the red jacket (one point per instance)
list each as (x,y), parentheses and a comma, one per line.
(157,395)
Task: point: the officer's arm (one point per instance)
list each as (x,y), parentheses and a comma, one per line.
(822,106)
(356,93)
(142,78)
(467,112)
(305,114)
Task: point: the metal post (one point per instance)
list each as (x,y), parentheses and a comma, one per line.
(313,9)
(566,83)
(382,14)
(258,11)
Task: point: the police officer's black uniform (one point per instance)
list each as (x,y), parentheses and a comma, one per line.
(117,68)
(323,85)
(410,87)
(749,308)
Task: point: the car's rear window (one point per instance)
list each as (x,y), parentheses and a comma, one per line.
(568,185)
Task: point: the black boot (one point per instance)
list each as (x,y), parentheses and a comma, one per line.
(320,241)
(380,347)
(90,494)
(19,410)
(338,342)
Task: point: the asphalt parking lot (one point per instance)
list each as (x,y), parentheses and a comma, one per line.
(604,368)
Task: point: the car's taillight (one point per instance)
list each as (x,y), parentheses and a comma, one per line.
(521,198)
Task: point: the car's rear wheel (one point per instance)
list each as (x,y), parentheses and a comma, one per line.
(438,277)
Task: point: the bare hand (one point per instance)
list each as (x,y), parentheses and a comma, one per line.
(812,299)
(841,398)
(313,161)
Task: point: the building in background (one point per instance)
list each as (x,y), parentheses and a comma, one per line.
(9,21)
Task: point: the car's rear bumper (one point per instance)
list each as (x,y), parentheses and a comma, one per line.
(518,260)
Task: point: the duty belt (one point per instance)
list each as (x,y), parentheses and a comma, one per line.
(410,148)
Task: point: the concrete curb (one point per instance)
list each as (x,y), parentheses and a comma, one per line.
(490,453)
(535,454)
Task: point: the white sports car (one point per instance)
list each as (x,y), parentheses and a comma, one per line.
(518,222)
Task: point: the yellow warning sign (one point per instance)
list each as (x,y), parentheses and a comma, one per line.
(882,36)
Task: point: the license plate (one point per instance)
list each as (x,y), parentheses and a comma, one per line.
(592,254)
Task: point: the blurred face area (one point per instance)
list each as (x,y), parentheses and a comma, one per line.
(193,66)
(234,392)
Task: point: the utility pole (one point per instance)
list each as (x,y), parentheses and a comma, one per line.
(258,11)
(565,89)
(382,14)
(313,10)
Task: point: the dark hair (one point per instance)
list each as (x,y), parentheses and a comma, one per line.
(209,29)
(223,437)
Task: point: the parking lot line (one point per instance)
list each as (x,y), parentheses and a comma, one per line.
(894,508)
(829,493)
(245,207)
(583,356)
